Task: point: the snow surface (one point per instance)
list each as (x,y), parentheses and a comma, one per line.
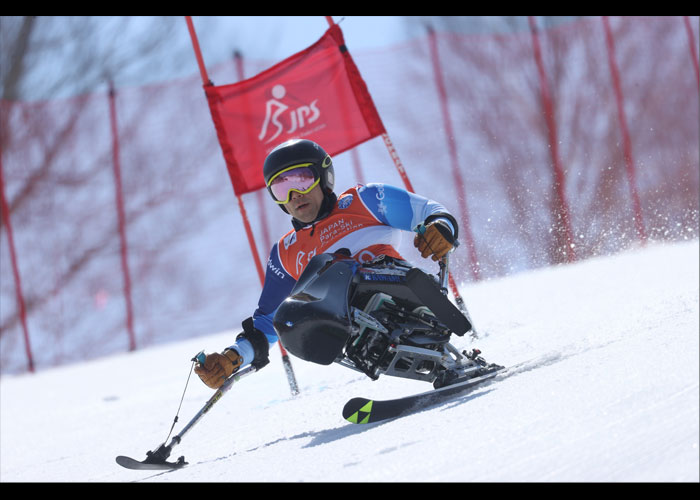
(608,392)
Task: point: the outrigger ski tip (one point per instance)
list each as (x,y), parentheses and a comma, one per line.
(131,463)
(155,460)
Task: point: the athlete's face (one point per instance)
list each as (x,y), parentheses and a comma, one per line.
(305,207)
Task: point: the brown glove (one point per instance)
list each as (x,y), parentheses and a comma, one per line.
(218,367)
(436,240)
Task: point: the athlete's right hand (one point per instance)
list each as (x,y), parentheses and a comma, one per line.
(218,367)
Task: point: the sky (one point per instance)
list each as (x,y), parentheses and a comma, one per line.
(278,37)
(275,38)
(272,38)
(118,41)
(281,36)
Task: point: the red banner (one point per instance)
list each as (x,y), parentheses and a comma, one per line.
(316,94)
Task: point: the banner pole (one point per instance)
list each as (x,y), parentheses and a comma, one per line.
(409,187)
(286,361)
(291,378)
(259,195)
(197,51)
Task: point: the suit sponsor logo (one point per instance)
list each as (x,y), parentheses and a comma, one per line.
(303,259)
(274,269)
(289,240)
(337,229)
(345,201)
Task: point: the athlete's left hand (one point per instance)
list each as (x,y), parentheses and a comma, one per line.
(435,241)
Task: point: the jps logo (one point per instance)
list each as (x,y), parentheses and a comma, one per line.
(279,116)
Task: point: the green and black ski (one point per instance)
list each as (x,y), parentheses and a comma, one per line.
(367,411)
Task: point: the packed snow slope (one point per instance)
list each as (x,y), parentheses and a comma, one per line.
(608,391)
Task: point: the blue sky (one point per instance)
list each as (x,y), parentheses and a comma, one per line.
(277,37)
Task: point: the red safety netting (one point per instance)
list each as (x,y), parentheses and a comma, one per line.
(473,134)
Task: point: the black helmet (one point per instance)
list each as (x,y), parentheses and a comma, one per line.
(296,152)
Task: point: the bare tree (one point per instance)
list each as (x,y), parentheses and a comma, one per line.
(494,93)
(57,158)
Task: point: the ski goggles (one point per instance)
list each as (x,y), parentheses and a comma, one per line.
(299,178)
